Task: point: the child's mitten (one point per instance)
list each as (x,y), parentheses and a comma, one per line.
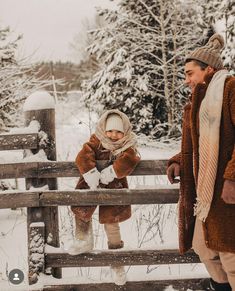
(92,178)
(107,175)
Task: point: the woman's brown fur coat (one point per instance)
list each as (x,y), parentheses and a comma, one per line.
(219,226)
(123,165)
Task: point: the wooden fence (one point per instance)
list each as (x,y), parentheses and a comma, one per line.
(42,212)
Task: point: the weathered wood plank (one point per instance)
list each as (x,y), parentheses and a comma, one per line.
(10,199)
(110,197)
(53,169)
(18,141)
(120,257)
(19,170)
(13,199)
(151,167)
(158,285)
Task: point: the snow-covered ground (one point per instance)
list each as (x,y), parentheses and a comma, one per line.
(150,227)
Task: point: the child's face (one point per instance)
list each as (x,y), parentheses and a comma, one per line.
(114,135)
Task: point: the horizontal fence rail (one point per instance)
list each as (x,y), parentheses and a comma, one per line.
(18,141)
(156,285)
(52,169)
(120,258)
(13,199)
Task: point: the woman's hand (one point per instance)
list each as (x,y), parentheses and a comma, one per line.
(228,192)
(173,171)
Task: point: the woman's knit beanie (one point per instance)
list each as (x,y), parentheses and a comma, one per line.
(210,53)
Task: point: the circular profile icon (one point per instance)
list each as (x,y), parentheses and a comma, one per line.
(16,276)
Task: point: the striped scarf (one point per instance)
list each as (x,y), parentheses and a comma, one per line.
(209,131)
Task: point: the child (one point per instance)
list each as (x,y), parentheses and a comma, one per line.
(113,141)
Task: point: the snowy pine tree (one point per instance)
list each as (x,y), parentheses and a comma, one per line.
(142,49)
(227,16)
(17,81)
(206,16)
(217,16)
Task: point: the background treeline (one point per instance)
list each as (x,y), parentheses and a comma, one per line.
(71,74)
(132,59)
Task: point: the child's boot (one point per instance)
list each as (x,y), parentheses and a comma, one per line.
(118,272)
(84,238)
(118,275)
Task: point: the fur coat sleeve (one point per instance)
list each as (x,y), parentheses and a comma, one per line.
(229,173)
(174,159)
(126,163)
(86,158)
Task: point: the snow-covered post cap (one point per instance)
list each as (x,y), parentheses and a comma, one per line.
(39,100)
(40,107)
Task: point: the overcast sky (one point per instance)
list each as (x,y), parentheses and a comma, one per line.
(48,25)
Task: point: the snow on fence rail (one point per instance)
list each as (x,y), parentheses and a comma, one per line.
(42,209)
(19,141)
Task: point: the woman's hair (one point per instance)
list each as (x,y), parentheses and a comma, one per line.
(202,65)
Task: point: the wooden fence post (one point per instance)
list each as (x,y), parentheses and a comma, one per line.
(40,106)
(36,250)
